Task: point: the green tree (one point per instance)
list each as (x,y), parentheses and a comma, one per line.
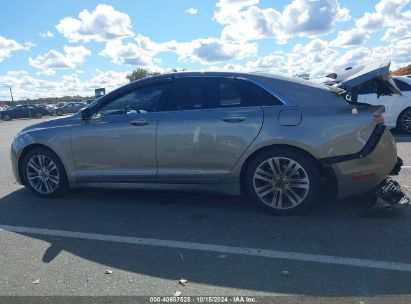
(402,71)
(137,74)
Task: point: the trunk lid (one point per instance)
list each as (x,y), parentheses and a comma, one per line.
(375,75)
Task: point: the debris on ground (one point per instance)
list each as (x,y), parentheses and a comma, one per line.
(392,193)
(222,256)
(177,293)
(36,281)
(181,256)
(109,271)
(182,282)
(285,273)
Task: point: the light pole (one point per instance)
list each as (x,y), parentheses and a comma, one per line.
(11,94)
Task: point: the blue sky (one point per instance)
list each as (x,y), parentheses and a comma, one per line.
(56,48)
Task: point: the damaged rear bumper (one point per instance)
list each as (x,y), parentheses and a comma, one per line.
(361,172)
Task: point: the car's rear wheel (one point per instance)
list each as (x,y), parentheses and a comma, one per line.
(44,173)
(7,117)
(38,115)
(404,121)
(284,181)
(59,113)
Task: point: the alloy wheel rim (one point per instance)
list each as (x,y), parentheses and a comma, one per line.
(42,174)
(281,183)
(406,121)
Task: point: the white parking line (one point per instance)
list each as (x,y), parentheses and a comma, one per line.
(275,254)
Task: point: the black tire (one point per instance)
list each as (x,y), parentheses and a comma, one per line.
(58,188)
(404,121)
(307,197)
(7,117)
(59,113)
(38,115)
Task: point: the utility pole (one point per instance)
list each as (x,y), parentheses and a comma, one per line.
(11,94)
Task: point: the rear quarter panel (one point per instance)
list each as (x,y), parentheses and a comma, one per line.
(323,132)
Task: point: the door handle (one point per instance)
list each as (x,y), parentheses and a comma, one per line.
(140,122)
(233,119)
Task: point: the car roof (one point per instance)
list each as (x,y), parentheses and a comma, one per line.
(403,78)
(248,75)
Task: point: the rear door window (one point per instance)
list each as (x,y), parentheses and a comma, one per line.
(190,93)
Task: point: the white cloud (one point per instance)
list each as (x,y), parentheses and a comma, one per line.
(397,32)
(103,24)
(316,58)
(319,57)
(17,73)
(270,62)
(25,86)
(28,45)
(398,51)
(352,37)
(192,11)
(53,59)
(313,17)
(140,52)
(47,34)
(7,46)
(370,22)
(246,21)
(387,13)
(210,50)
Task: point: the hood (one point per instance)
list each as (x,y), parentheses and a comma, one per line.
(374,75)
(54,123)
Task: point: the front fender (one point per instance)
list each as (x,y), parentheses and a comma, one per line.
(56,139)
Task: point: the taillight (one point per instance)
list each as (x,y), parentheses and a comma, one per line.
(379,119)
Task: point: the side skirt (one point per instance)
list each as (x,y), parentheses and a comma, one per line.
(222,188)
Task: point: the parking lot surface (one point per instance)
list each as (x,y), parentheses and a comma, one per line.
(128,242)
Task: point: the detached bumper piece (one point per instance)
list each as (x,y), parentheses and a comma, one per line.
(397,167)
(389,194)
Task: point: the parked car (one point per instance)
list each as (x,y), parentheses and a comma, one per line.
(68,108)
(277,139)
(88,101)
(397,106)
(51,108)
(23,111)
(43,108)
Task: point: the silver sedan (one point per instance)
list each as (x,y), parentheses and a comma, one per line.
(277,139)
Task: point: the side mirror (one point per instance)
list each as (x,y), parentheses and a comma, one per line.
(85,114)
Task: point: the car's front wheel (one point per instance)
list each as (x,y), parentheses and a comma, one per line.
(404,121)
(44,173)
(284,181)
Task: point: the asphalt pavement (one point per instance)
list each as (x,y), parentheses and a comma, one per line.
(111,242)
